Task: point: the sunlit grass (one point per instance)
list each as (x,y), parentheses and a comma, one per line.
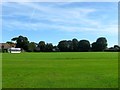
(60,70)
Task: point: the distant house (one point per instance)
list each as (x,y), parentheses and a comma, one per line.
(5,46)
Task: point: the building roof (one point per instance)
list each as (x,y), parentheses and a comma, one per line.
(6,45)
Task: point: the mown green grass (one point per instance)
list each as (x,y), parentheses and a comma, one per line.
(60,70)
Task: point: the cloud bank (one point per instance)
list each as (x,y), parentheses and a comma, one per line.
(71,17)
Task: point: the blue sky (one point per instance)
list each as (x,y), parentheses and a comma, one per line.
(55,21)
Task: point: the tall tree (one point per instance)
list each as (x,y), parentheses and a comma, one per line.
(69,46)
(31,47)
(84,45)
(75,44)
(49,47)
(62,45)
(100,44)
(65,46)
(14,39)
(22,42)
(42,46)
(94,46)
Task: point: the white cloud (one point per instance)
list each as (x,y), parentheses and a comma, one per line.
(65,19)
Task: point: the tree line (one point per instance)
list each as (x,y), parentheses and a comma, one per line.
(73,45)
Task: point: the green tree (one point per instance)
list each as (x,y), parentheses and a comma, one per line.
(75,44)
(49,47)
(100,44)
(69,46)
(65,46)
(94,46)
(56,49)
(84,45)
(31,47)
(42,46)
(62,45)
(22,42)
(14,39)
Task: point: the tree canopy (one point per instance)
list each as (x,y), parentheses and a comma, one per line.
(84,45)
(73,45)
(21,42)
(100,44)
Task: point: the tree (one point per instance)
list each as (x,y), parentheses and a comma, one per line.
(75,44)
(14,39)
(56,49)
(37,49)
(22,42)
(49,47)
(65,46)
(100,44)
(94,46)
(62,45)
(42,46)
(31,47)
(69,46)
(84,45)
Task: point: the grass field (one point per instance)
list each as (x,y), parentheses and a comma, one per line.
(60,70)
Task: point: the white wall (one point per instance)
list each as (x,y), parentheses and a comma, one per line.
(14,50)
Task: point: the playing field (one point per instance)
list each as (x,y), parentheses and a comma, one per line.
(60,70)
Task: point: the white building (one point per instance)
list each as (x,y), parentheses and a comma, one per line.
(14,50)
